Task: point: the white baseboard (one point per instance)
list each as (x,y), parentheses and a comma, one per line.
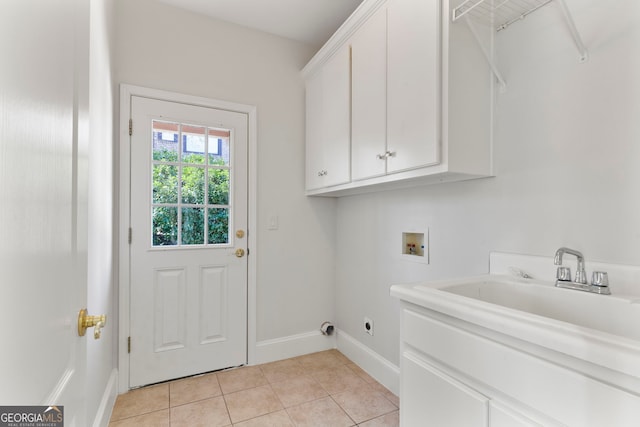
(292,346)
(385,372)
(108,401)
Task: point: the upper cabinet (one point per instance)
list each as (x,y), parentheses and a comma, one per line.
(328,123)
(369,98)
(413,84)
(415,105)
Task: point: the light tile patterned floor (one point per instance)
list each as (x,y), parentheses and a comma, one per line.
(319,389)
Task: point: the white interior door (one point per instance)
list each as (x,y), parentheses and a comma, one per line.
(188,274)
(43,212)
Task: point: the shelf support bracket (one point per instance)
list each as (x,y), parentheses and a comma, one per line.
(582,50)
(485,52)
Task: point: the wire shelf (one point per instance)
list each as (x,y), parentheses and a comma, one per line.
(498,13)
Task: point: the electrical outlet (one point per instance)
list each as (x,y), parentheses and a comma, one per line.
(368,326)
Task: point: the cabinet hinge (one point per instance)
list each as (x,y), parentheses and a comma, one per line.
(130,237)
(128,344)
(130,127)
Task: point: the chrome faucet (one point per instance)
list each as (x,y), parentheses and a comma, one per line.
(600,282)
(581,274)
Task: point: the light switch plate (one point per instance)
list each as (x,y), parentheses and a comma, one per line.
(273,223)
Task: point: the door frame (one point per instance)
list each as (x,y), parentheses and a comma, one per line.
(126,92)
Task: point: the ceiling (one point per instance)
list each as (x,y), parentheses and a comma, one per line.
(308,21)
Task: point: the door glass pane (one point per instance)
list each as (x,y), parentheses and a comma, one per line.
(218,221)
(193,144)
(165,141)
(165,183)
(218,186)
(219,146)
(193,185)
(191,181)
(192,226)
(165,226)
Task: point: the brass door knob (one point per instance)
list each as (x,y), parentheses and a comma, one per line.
(85,321)
(240,253)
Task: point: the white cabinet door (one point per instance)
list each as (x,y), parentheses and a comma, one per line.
(314,154)
(413,79)
(432,398)
(369,98)
(329,123)
(336,106)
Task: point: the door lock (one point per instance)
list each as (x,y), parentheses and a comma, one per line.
(96,322)
(240,253)
(240,234)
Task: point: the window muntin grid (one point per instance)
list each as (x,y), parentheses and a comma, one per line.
(191,179)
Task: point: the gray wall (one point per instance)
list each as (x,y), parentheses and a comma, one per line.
(166,48)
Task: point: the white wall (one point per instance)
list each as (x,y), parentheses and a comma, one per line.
(162,47)
(101,292)
(567,156)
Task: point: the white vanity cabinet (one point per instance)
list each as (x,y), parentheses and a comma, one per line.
(513,351)
(328,126)
(434,393)
(420,98)
(455,373)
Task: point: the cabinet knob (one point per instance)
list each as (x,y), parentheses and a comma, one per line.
(322,173)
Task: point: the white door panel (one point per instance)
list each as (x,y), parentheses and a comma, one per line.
(188,287)
(43,213)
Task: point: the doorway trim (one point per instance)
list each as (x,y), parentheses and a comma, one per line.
(126,92)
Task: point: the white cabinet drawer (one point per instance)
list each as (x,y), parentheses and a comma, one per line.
(564,395)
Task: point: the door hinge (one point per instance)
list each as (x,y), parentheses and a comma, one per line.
(130,127)
(128,344)
(130,237)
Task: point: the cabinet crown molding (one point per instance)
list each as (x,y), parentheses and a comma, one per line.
(342,34)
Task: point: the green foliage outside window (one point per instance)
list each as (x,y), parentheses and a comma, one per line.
(165,190)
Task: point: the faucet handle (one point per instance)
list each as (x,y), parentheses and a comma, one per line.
(600,278)
(563,274)
(581,276)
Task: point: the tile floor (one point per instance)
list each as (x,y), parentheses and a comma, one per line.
(319,389)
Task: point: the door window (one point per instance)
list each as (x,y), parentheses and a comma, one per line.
(191,179)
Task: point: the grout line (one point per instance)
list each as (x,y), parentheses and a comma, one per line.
(344,410)
(226,407)
(307,371)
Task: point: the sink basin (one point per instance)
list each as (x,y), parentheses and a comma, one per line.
(606,313)
(602,330)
